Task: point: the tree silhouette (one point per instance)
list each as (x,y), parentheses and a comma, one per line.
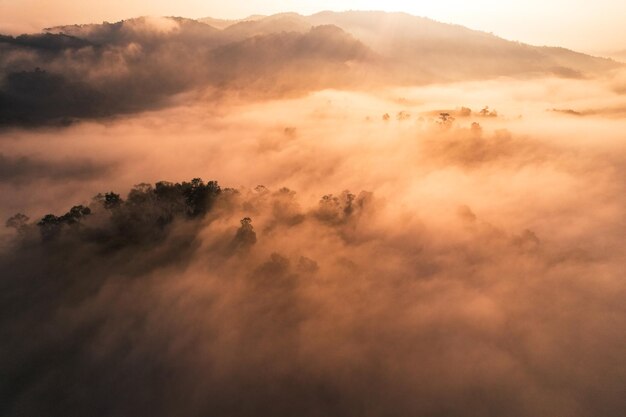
(109,200)
(485,112)
(49,226)
(75,214)
(142,217)
(245,237)
(402,115)
(18,222)
(445,119)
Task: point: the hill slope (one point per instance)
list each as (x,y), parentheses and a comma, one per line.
(105,69)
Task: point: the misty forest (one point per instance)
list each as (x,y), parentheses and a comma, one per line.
(338,214)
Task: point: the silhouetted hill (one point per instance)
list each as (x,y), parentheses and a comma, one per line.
(99,70)
(45,41)
(420,47)
(288,62)
(143,30)
(284,22)
(85,71)
(224,23)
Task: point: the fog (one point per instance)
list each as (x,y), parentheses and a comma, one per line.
(439,249)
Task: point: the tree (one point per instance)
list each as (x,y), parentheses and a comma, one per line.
(336,209)
(245,237)
(476,129)
(485,112)
(18,222)
(445,119)
(403,116)
(465,112)
(198,196)
(140,194)
(75,214)
(109,200)
(49,226)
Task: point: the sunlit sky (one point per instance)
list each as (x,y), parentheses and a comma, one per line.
(593,26)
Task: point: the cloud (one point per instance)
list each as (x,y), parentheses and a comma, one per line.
(400,319)
(24,169)
(458,284)
(345,265)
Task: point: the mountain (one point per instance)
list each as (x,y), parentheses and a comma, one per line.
(224,23)
(292,62)
(415,49)
(419,49)
(283,22)
(618,55)
(143,30)
(84,71)
(99,70)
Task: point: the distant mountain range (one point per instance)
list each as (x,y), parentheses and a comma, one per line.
(99,70)
(618,55)
(431,48)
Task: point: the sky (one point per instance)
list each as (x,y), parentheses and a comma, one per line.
(581,25)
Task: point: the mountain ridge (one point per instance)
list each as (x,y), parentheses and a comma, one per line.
(100,70)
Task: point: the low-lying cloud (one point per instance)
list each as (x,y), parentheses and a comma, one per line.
(18,170)
(448,249)
(419,265)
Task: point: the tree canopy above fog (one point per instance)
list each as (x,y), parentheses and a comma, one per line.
(141,217)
